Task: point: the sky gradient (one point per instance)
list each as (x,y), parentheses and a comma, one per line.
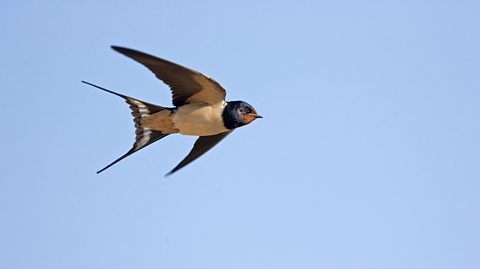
(367,156)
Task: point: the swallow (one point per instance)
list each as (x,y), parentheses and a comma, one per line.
(199,109)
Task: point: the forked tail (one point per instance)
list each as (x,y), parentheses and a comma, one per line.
(143,136)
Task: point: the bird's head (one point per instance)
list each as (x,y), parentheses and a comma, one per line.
(239,113)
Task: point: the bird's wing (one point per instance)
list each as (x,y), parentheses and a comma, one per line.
(187,85)
(201,146)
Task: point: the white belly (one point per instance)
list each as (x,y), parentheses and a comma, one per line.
(200,119)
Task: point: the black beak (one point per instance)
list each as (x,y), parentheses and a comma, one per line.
(257,116)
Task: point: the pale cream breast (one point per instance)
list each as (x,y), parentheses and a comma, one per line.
(200,119)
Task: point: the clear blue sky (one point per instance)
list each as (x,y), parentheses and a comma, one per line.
(368,155)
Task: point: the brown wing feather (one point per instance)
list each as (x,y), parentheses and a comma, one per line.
(187,85)
(201,146)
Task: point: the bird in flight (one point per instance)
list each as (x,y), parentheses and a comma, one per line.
(199,109)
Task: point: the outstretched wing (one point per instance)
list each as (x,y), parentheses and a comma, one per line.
(187,85)
(201,146)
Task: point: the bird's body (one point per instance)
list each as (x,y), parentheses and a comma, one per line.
(200,119)
(200,109)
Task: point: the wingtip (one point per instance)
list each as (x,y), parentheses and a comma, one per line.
(118,48)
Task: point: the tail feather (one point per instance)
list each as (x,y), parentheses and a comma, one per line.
(143,136)
(154,136)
